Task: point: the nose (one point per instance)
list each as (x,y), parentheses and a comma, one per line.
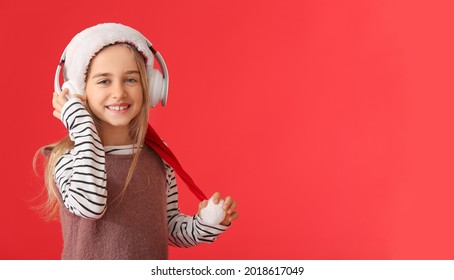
(118,90)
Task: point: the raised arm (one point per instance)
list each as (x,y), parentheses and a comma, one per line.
(80,173)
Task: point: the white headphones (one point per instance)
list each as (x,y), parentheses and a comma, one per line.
(158,81)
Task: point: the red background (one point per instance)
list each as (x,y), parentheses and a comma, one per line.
(330,122)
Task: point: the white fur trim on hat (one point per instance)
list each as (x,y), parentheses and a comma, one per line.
(86,44)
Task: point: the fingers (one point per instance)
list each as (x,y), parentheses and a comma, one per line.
(57,103)
(229,204)
(56,114)
(229,207)
(202,205)
(216,197)
(81,97)
(59,100)
(230,218)
(233,217)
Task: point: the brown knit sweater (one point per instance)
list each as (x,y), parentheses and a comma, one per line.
(134,226)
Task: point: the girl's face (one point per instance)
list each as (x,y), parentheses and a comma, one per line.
(114,90)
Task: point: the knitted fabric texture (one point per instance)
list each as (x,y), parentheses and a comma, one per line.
(134,226)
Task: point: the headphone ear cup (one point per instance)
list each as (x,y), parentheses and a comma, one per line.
(156,85)
(71,88)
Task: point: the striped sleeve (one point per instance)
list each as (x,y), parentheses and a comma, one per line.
(80,173)
(186,231)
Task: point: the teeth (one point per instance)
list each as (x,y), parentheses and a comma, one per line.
(117,108)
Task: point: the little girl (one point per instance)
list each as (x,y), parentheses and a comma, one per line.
(118,194)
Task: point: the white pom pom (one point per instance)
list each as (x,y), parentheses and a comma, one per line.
(213,214)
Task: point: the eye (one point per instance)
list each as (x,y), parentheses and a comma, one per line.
(131,80)
(103,82)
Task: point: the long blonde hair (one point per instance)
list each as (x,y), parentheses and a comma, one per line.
(137,130)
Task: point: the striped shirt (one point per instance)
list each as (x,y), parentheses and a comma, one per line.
(80,176)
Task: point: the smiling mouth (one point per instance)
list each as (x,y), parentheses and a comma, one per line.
(118,107)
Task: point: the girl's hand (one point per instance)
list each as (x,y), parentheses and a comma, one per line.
(58,100)
(229,207)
